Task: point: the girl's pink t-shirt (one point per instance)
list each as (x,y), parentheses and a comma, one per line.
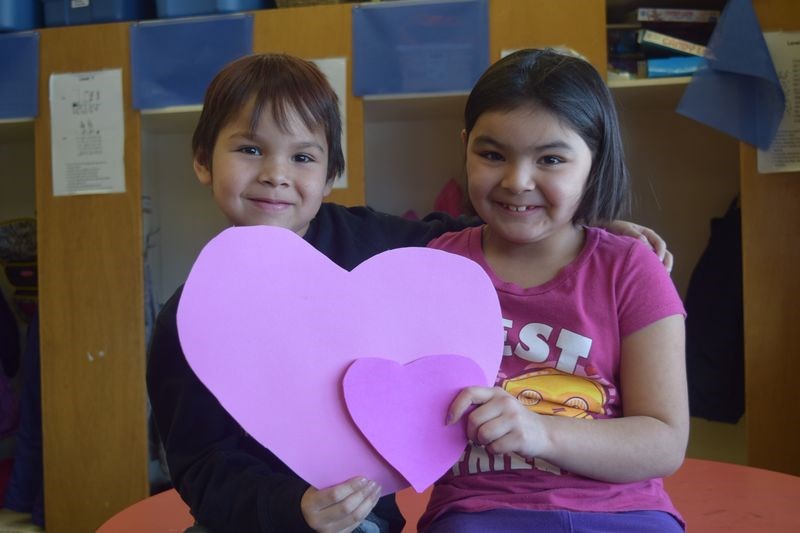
(561,357)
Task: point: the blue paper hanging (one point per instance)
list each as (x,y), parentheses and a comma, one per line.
(737,91)
(419,47)
(173,61)
(19,83)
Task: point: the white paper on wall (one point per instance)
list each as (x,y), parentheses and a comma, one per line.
(784,152)
(87,133)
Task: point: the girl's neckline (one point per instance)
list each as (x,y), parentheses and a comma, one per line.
(566,272)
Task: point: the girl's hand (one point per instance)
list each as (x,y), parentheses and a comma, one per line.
(500,423)
(646,235)
(340,508)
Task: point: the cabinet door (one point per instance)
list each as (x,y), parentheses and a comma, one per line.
(576,24)
(771,264)
(91,310)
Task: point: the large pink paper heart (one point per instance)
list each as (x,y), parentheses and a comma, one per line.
(401,410)
(270,326)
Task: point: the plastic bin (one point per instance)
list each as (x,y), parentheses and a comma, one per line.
(161,76)
(188,8)
(71,12)
(419,47)
(19,89)
(20,15)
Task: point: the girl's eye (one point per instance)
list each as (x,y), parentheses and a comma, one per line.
(551,160)
(303,158)
(250,150)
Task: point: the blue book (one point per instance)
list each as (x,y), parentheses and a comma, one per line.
(671,66)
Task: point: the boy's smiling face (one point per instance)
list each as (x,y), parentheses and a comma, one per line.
(272,176)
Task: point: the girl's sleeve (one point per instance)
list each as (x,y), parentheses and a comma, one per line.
(645,291)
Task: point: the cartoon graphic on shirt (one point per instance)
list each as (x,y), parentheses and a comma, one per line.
(552,392)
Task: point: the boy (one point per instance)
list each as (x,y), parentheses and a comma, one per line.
(268,145)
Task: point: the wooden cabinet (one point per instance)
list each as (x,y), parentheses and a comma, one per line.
(91,311)
(771,264)
(400,152)
(17,192)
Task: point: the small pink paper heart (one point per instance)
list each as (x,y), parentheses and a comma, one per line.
(401,410)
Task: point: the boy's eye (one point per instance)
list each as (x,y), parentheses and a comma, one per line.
(250,150)
(303,158)
(491,156)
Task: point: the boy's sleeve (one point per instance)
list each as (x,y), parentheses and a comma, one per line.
(220,472)
(397,231)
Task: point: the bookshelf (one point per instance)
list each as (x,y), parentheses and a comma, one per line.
(661,93)
(17,191)
(617,9)
(653,48)
(676,81)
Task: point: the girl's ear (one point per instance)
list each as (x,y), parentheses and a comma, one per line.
(464,137)
(202,172)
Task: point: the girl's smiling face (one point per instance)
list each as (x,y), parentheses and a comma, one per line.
(273,176)
(526,173)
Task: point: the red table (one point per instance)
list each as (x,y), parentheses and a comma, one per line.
(163,513)
(715,496)
(712,496)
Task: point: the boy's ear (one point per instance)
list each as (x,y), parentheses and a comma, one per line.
(202,172)
(328,188)
(464,137)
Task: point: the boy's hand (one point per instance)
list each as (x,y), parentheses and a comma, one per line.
(646,235)
(340,508)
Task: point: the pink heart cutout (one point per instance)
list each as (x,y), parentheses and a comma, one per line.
(401,411)
(270,325)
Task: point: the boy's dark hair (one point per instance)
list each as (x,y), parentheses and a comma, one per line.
(573,90)
(288,84)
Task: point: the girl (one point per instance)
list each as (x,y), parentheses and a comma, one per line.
(590,409)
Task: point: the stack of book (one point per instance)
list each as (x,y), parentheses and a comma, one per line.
(658,42)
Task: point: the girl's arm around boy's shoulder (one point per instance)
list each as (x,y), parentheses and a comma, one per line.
(649,237)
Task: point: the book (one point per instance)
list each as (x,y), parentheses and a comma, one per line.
(622,39)
(661,67)
(656,14)
(656,41)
